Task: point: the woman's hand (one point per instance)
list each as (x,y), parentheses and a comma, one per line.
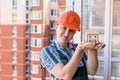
(95,46)
(84,46)
(99,45)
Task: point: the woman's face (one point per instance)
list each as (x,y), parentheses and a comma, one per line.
(64,34)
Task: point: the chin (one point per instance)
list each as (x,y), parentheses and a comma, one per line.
(64,41)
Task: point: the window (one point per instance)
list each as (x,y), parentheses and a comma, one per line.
(27,2)
(27,31)
(34,55)
(99,0)
(54,12)
(36,28)
(36,2)
(34,69)
(56,1)
(14,44)
(27,5)
(52,25)
(14,70)
(14,31)
(36,42)
(69,5)
(27,79)
(27,45)
(27,70)
(27,57)
(14,17)
(27,18)
(14,4)
(14,78)
(14,57)
(37,15)
(52,38)
(32,78)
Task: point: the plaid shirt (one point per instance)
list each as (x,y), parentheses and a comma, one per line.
(49,56)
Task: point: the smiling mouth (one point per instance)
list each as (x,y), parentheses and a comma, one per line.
(64,38)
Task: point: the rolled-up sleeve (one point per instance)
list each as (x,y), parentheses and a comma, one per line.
(48,58)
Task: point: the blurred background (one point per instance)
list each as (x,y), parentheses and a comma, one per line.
(26,26)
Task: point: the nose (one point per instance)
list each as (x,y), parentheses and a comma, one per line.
(66,32)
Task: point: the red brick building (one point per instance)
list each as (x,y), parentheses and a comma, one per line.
(26,26)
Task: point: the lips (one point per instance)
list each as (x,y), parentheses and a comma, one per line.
(64,38)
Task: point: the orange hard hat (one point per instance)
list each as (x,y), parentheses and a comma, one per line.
(69,19)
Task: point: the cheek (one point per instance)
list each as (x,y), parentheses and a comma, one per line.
(59,32)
